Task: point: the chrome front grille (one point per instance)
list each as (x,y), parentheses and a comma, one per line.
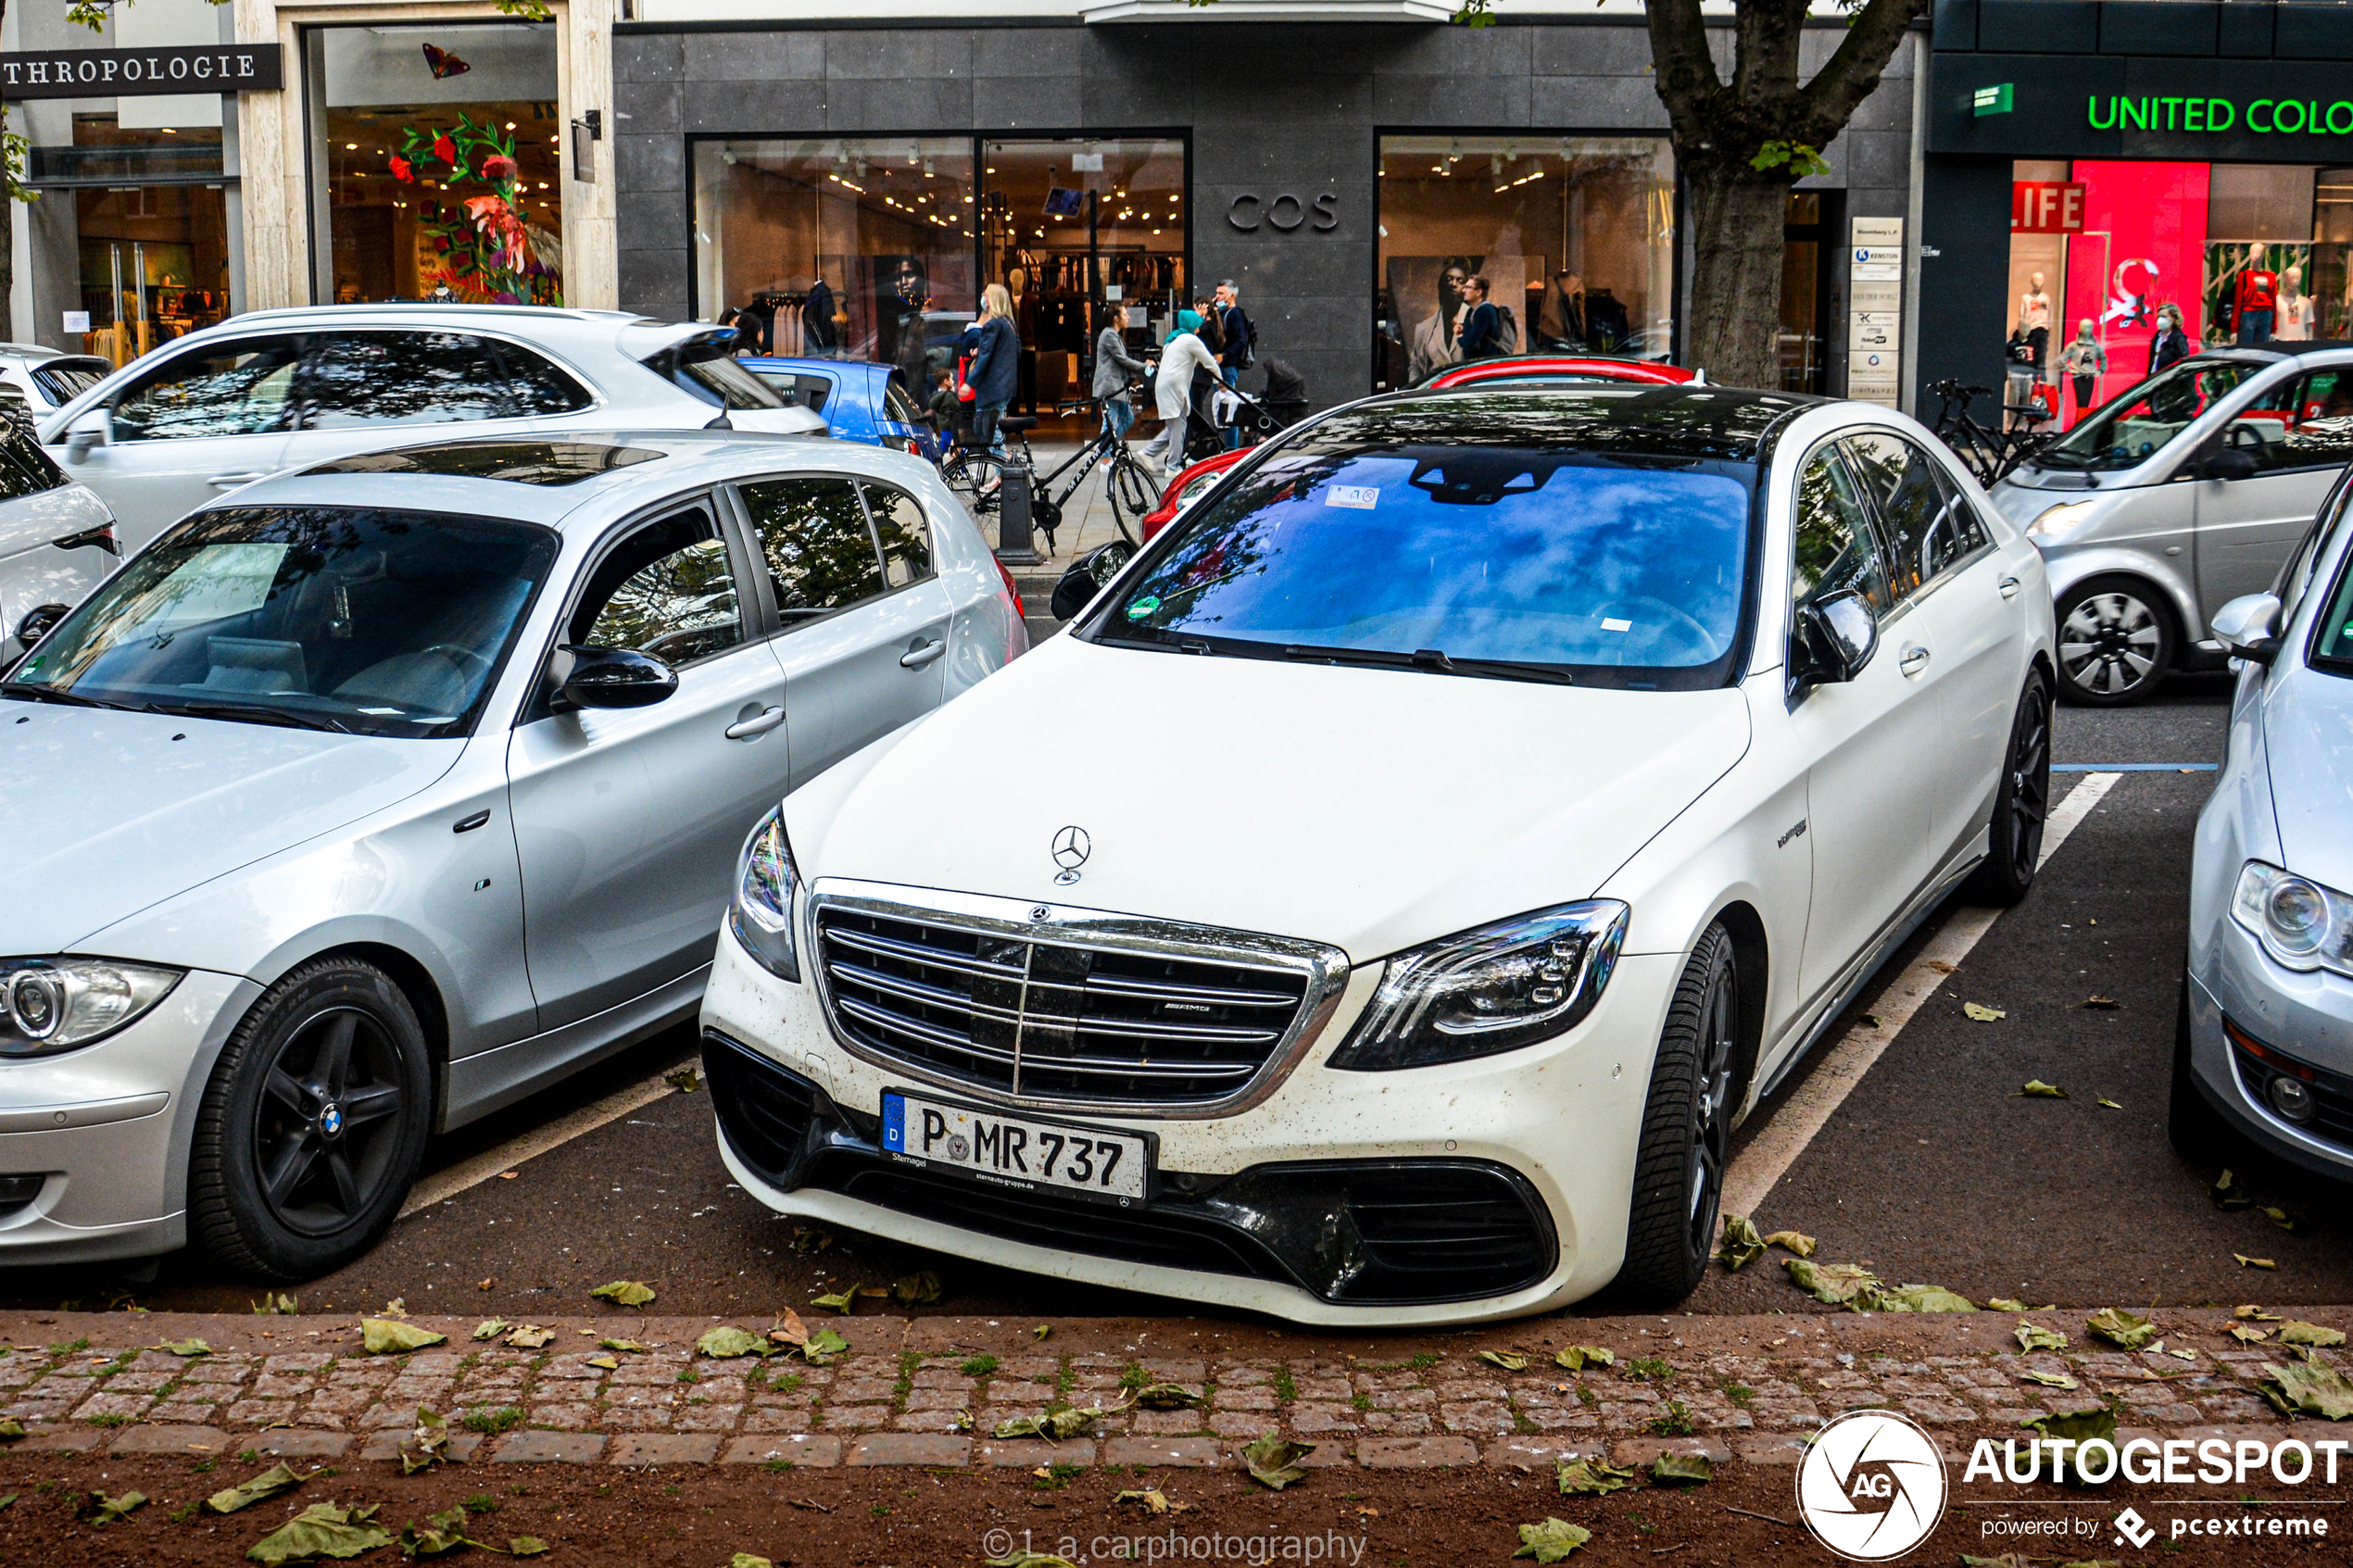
(1071,1007)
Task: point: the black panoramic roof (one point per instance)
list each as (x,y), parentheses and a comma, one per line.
(518,462)
(1718,423)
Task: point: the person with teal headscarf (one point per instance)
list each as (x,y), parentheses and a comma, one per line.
(1180,357)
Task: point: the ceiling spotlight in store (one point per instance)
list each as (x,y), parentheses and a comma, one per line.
(347,147)
(511,125)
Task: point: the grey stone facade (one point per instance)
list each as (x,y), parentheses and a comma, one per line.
(1266,107)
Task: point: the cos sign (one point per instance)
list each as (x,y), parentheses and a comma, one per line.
(1286,212)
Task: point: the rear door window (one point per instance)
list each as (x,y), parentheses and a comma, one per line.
(820,553)
(536,385)
(401,378)
(903,532)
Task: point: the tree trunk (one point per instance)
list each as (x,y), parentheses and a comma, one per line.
(1732,324)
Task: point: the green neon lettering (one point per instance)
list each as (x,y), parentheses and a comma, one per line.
(2334,129)
(2169,104)
(2279,117)
(2258,103)
(2132,112)
(2091,113)
(2193,109)
(2222,108)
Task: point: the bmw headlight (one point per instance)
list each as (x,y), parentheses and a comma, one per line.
(51,1005)
(1492,990)
(761,913)
(2302,924)
(2057,523)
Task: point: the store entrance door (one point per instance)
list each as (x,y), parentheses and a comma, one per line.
(1082,233)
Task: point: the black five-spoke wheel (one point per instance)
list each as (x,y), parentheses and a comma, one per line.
(1696,1082)
(313,1124)
(2022,803)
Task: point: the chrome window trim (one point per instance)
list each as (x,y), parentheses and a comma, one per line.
(1325,969)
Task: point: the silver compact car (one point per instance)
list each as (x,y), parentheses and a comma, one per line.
(370,799)
(2176,498)
(286,389)
(2264,1042)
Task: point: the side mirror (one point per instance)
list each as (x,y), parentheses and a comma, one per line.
(2250,627)
(90,429)
(38,623)
(1836,636)
(1090,575)
(608,678)
(2230,462)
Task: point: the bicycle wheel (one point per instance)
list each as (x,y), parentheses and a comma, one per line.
(1133,495)
(977,480)
(1976,453)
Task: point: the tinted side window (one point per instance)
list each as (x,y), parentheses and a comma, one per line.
(400,378)
(667,591)
(1835,548)
(25,469)
(240,388)
(2316,425)
(1958,532)
(1902,480)
(905,532)
(537,386)
(812,532)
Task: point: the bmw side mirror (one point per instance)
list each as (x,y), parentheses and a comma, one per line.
(2250,627)
(90,429)
(38,623)
(608,678)
(1836,636)
(1090,575)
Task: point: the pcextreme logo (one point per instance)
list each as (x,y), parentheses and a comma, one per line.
(1872,1487)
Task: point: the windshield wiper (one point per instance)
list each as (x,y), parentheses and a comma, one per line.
(1437,661)
(243,713)
(34,692)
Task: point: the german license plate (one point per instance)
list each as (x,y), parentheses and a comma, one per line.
(1015,1150)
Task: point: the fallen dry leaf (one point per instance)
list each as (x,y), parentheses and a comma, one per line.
(2247,1262)
(2037,1089)
(1982,1014)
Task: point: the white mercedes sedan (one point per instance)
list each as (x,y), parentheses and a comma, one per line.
(1439,838)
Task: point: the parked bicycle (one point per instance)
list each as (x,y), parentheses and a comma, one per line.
(979,476)
(1988,453)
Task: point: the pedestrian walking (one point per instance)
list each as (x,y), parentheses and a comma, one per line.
(2170,345)
(1239,350)
(2085,361)
(1182,356)
(1114,369)
(1483,327)
(995,373)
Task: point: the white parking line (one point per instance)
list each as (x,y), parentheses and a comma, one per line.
(448,1182)
(1770,1154)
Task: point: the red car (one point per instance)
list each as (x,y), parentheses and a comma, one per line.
(1557,367)
(1189,486)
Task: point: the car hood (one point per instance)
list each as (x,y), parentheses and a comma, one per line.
(2307,746)
(107,812)
(1368,809)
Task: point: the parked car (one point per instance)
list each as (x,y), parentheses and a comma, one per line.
(2263,1044)
(2171,500)
(57,542)
(279,389)
(1558,369)
(38,380)
(377,795)
(1458,822)
(860,400)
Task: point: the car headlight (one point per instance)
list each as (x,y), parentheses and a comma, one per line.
(2057,523)
(51,1005)
(2302,924)
(761,912)
(1492,990)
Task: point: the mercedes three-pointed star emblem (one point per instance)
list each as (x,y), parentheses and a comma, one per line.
(1071,849)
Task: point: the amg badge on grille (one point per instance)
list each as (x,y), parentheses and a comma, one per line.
(1071,849)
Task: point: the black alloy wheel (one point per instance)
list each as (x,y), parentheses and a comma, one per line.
(313,1124)
(2116,641)
(2022,804)
(1687,1131)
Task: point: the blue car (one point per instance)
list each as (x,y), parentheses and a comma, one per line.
(861,399)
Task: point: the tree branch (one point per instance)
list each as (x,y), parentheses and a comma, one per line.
(1853,73)
(1683,69)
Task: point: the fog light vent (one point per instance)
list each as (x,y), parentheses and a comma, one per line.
(2290,1097)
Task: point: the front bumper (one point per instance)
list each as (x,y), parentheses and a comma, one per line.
(1282,1206)
(2305,1019)
(104,1130)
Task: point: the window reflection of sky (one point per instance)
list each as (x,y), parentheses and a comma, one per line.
(1590,564)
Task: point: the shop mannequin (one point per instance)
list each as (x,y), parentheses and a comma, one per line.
(2256,299)
(2034,319)
(2293,314)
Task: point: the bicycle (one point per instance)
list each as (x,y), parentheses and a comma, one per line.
(1987,454)
(1129,487)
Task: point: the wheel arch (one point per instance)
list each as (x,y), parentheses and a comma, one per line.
(1752,951)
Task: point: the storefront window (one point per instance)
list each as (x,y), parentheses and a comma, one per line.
(440,149)
(1575,236)
(839,249)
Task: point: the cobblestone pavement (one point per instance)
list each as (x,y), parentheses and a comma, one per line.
(930,1391)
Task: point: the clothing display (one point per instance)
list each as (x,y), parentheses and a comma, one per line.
(2033,311)
(2292,319)
(2252,304)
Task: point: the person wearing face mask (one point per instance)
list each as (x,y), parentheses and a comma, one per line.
(2171,344)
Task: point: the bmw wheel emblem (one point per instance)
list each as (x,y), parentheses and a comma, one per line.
(331,1120)
(1071,849)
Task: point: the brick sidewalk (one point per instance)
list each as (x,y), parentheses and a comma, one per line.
(1746,1388)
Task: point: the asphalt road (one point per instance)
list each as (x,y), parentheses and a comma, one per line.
(1934,1169)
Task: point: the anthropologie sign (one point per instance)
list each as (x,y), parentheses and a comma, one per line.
(97,73)
(2265,117)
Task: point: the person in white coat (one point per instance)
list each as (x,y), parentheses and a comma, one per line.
(1180,356)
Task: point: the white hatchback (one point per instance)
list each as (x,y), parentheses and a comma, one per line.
(289,389)
(1456,820)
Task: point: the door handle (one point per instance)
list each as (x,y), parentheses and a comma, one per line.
(1914,660)
(231,481)
(921,654)
(2008,586)
(756,725)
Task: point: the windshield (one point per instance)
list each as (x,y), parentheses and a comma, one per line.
(1529,562)
(378,623)
(2128,430)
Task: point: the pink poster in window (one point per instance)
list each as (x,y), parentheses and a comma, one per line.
(2143,245)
